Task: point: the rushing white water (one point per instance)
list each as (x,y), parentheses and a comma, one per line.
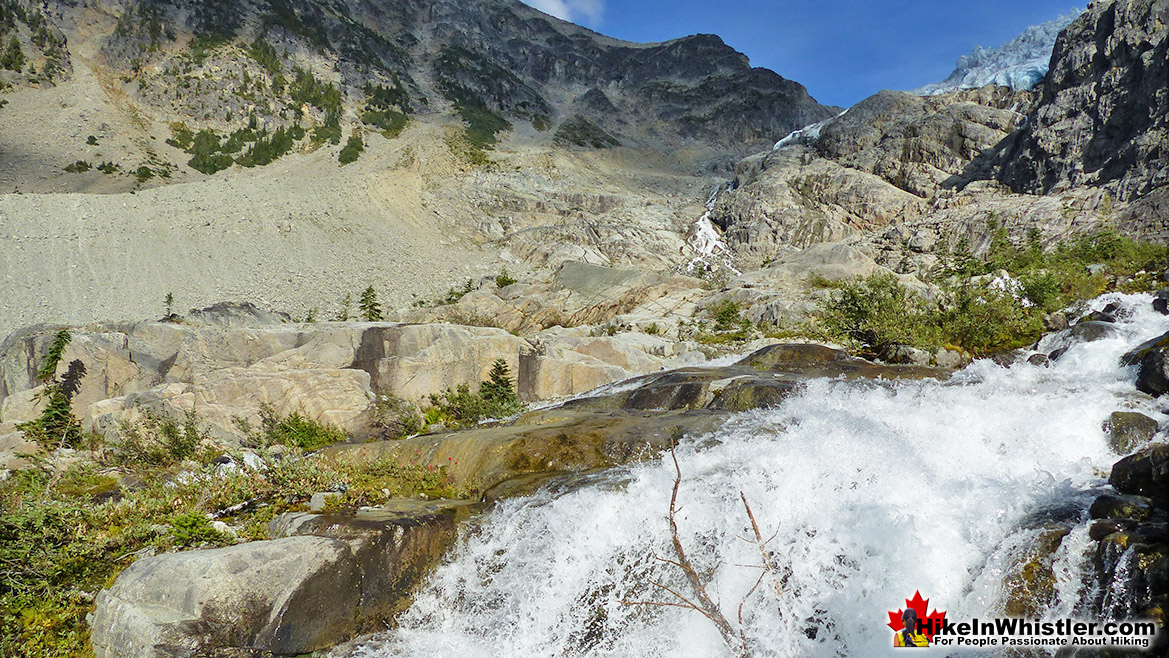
(875,491)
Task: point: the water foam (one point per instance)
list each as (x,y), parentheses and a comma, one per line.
(875,491)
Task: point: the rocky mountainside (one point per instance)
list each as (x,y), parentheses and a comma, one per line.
(266,65)
(1103,115)
(292,153)
(1020,64)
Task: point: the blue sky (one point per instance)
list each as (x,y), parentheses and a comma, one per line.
(842,50)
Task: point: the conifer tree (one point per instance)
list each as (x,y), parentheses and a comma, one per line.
(370,309)
(498,389)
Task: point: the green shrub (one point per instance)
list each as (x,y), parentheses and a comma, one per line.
(266,56)
(504,279)
(387,108)
(294,430)
(460,407)
(396,419)
(352,149)
(193,529)
(13,57)
(726,314)
(56,426)
(455,294)
(880,313)
(81,166)
(155,440)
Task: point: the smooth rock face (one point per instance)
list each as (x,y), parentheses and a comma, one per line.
(286,596)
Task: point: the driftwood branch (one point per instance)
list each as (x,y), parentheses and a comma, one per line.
(734,635)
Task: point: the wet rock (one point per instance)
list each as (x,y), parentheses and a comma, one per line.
(1133,565)
(905,354)
(1153,375)
(1109,506)
(1128,430)
(794,357)
(1082,332)
(1029,587)
(1145,473)
(1134,356)
(393,548)
(1056,322)
(1099,316)
(1161,301)
(544,443)
(1039,360)
(325,578)
(1092,330)
(752,394)
(1101,528)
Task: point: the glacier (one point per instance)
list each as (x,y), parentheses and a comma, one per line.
(1019,64)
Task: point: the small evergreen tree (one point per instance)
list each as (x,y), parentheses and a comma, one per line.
(48,370)
(169,301)
(370,309)
(346,305)
(57,425)
(498,393)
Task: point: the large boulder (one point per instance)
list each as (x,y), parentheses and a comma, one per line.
(285,597)
(322,580)
(1129,430)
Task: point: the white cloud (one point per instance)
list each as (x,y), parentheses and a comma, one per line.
(578,11)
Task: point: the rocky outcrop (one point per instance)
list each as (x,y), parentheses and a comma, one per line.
(332,372)
(1104,116)
(322,580)
(885,175)
(919,143)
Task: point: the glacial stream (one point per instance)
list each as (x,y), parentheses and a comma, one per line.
(872,491)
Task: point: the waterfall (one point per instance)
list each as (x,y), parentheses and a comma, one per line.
(711,251)
(874,491)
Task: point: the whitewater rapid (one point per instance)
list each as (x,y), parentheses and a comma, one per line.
(874,491)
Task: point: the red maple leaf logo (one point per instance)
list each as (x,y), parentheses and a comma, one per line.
(919,606)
